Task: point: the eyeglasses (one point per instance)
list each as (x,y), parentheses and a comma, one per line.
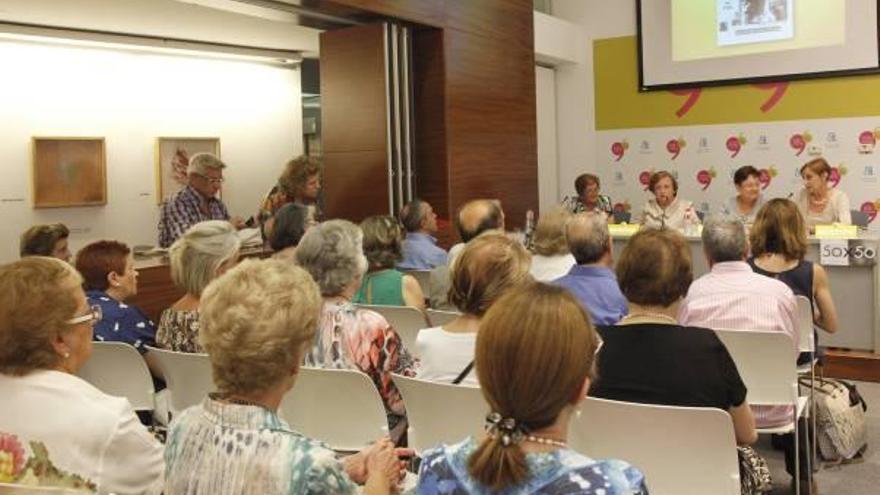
(212,180)
(94,314)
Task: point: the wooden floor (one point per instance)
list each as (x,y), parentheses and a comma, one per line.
(853,365)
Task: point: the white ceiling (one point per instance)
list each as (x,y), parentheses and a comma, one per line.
(218,21)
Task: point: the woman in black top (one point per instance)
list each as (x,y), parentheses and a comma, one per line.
(648,357)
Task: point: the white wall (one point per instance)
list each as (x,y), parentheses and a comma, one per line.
(548,163)
(576,130)
(130,99)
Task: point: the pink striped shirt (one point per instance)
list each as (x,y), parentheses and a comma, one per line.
(732,296)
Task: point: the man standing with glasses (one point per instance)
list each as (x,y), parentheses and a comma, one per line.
(197,202)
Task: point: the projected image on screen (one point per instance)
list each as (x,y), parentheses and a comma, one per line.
(754,21)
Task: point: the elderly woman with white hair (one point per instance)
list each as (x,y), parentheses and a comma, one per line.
(202,254)
(350,337)
(258,320)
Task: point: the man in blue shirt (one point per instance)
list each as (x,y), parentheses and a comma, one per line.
(592,281)
(420,250)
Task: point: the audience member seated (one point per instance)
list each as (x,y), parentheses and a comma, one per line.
(300,184)
(524,451)
(551,257)
(474,218)
(592,281)
(666,209)
(291,223)
(383,283)
(748,199)
(197,201)
(257,321)
(204,252)
(648,357)
(779,243)
(55,428)
(46,240)
(588,198)
(350,337)
(732,296)
(819,203)
(487,268)
(420,249)
(109,278)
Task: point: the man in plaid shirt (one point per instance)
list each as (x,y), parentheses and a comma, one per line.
(196,202)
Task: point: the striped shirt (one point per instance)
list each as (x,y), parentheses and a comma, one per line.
(732,296)
(183,210)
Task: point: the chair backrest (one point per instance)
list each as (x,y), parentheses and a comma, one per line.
(406,320)
(806,337)
(188,376)
(681,450)
(766,362)
(424,279)
(117,368)
(437,318)
(339,407)
(439,412)
(860,218)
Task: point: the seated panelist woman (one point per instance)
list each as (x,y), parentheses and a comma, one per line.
(667,210)
(748,200)
(819,203)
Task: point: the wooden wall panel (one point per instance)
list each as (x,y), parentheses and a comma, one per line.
(357,186)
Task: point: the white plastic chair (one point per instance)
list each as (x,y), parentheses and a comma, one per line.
(117,368)
(423,277)
(438,318)
(681,450)
(406,321)
(807,343)
(339,407)
(767,364)
(188,376)
(428,411)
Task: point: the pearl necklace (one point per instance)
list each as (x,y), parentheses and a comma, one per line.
(545,441)
(656,316)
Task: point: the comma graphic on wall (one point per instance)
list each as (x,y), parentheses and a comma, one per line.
(645,178)
(622,207)
(705,176)
(766,175)
(674,146)
(734,144)
(870,208)
(868,140)
(799,141)
(618,149)
(837,174)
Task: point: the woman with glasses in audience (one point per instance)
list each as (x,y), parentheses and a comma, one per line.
(55,428)
(383,283)
(204,252)
(350,337)
(109,278)
(257,322)
(489,266)
(534,358)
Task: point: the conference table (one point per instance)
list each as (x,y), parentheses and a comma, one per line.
(855,290)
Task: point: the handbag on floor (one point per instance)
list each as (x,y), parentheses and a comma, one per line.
(754,474)
(840,419)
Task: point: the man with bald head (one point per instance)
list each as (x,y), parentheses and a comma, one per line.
(592,281)
(474,218)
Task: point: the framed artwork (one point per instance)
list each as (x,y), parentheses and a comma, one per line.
(69,171)
(172,158)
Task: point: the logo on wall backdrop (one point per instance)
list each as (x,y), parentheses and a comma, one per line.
(799,141)
(645,147)
(674,146)
(831,140)
(763,142)
(837,174)
(618,149)
(645,178)
(703,145)
(766,175)
(868,140)
(735,144)
(704,178)
(869,174)
(870,208)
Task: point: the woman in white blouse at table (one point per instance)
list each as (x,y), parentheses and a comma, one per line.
(748,200)
(819,203)
(667,210)
(56,429)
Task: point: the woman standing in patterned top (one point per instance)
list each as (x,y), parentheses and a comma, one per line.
(350,337)
(257,320)
(540,327)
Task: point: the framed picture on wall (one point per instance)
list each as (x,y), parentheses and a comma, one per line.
(69,171)
(172,158)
